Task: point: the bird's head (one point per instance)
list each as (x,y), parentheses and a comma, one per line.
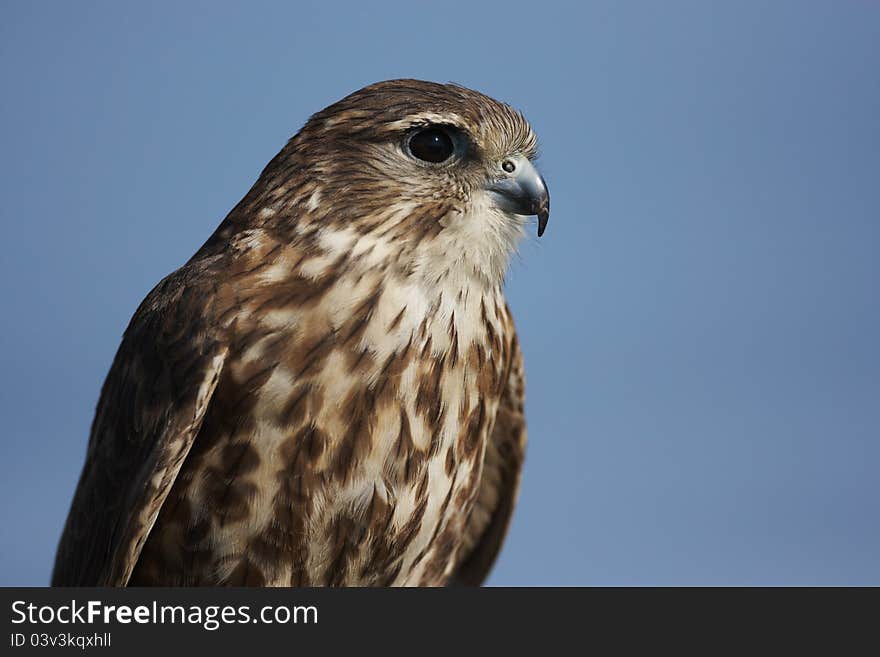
(443,172)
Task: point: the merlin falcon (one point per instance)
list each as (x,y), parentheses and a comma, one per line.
(330,392)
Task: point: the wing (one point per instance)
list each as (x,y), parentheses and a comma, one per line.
(151,406)
(499,483)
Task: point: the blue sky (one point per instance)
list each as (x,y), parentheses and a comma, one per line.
(700,322)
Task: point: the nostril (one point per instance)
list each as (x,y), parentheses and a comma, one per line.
(508,166)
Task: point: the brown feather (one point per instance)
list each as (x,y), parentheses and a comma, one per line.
(150,411)
(499,484)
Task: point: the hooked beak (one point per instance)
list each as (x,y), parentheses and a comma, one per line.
(522,191)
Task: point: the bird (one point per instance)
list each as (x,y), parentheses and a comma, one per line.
(330,392)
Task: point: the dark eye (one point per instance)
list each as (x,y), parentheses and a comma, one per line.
(432,145)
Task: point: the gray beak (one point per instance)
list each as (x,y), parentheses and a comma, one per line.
(522,190)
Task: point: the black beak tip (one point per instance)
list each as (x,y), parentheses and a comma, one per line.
(543,218)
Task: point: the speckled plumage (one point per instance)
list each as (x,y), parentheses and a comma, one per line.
(330,392)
